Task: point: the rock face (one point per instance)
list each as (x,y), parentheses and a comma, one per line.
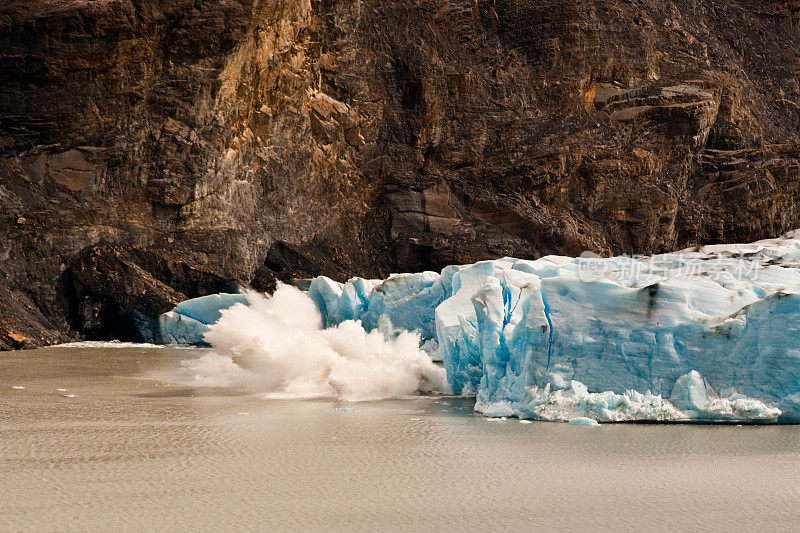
(212,143)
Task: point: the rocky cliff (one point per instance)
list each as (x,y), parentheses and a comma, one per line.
(153,150)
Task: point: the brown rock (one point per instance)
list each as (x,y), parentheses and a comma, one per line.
(16,337)
(71,169)
(391,135)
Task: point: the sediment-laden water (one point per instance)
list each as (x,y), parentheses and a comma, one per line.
(113,439)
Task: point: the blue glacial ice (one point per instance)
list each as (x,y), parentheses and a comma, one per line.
(583,421)
(189,321)
(706,334)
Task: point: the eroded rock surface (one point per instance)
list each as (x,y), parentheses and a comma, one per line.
(245,140)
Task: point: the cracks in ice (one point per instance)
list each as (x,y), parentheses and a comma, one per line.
(546,307)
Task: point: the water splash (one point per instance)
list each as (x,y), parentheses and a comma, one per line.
(277,345)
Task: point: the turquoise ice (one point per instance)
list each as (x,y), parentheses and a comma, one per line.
(711,334)
(189,321)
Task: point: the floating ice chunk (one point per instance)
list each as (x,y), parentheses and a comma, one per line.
(577,402)
(697,400)
(583,421)
(691,392)
(738,408)
(498,410)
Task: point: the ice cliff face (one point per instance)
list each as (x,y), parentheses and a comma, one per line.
(189,322)
(708,334)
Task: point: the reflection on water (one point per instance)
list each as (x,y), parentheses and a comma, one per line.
(131,452)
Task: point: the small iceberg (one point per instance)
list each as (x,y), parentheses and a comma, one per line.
(583,421)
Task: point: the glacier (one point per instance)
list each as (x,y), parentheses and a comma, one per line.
(709,334)
(189,321)
(706,334)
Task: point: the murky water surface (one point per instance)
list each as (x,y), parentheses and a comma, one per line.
(102,439)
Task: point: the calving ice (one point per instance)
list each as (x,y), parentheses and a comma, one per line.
(708,334)
(278,346)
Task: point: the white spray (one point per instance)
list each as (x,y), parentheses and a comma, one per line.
(277,345)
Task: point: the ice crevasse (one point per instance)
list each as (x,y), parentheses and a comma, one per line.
(709,334)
